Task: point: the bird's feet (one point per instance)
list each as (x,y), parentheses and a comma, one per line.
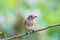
(32,31)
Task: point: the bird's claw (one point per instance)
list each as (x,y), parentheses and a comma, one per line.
(32,31)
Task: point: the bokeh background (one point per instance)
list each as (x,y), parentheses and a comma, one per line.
(14,12)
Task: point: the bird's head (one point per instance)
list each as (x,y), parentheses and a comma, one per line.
(32,17)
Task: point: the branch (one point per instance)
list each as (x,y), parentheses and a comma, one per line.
(24,34)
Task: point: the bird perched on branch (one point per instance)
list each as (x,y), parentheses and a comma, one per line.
(29,22)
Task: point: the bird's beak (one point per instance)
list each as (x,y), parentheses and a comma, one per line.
(35,17)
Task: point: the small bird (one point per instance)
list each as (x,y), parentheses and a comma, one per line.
(29,22)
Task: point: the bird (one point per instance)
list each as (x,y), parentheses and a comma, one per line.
(29,22)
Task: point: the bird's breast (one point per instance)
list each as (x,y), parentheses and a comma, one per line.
(29,27)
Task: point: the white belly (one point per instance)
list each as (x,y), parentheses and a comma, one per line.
(29,28)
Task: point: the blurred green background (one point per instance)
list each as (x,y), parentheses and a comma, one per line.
(14,12)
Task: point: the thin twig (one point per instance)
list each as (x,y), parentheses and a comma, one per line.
(24,34)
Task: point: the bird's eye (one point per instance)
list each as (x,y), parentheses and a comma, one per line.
(31,16)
